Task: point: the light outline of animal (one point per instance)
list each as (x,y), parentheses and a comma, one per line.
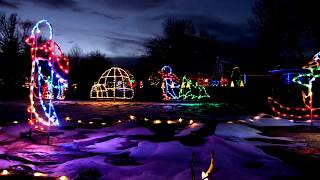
(50,53)
(307,99)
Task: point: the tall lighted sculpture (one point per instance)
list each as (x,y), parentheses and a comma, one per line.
(48,76)
(169,83)
(190,90)
(308,111)
(114,83)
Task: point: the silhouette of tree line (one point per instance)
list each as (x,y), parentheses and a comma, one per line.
(286,33)
(183,47)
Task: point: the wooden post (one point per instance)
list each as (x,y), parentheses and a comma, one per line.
(30,133)
(48,138)
(193,176)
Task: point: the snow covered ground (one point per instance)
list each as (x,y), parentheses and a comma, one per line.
(136,148)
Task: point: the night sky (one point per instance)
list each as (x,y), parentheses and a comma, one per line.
(119,28)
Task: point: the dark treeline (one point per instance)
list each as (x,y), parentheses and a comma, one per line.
(281,33)
(287,32)
(85,69)
(14,54)
(187,50)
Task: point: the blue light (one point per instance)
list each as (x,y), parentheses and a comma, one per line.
(45,83)
(169,84)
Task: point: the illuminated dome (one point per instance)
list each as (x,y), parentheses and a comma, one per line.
(114,83)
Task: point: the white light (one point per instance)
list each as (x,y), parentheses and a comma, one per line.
(110,82)
(180,120)
(15,122)
(63,178)
(5,172)
(169,122)
(39,174)
(257,117)
(67,118)
(157,121)
(204,176)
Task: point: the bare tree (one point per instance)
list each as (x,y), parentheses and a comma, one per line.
(10,50)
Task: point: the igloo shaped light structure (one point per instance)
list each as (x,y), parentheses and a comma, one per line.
(114,83)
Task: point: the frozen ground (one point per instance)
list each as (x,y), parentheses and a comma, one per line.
(136,148)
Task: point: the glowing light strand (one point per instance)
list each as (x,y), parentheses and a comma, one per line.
(313,66)
(49,66)
(188,90)
(169,83)
(114,83)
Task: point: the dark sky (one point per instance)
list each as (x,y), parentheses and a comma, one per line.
(120,27)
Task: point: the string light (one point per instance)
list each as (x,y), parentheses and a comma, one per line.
(157,121)
(67,118)
(5,172)
(63,178)
(154,80)
(132,117)
(308,110)
(169,83)
(39,174)
(170,122)
(114,83)
(187,90)
(49,67)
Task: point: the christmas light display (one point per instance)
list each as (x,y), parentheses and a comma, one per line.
(169,83)
(48,76)
(190,90)
(308,110)
(224,82)
(132,80)
(209,172)
(114,83)
(154,80)
(236,78)
(218,72)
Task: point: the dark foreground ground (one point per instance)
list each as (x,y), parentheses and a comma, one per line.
(146,140)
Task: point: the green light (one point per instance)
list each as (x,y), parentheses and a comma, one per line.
(188,90)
